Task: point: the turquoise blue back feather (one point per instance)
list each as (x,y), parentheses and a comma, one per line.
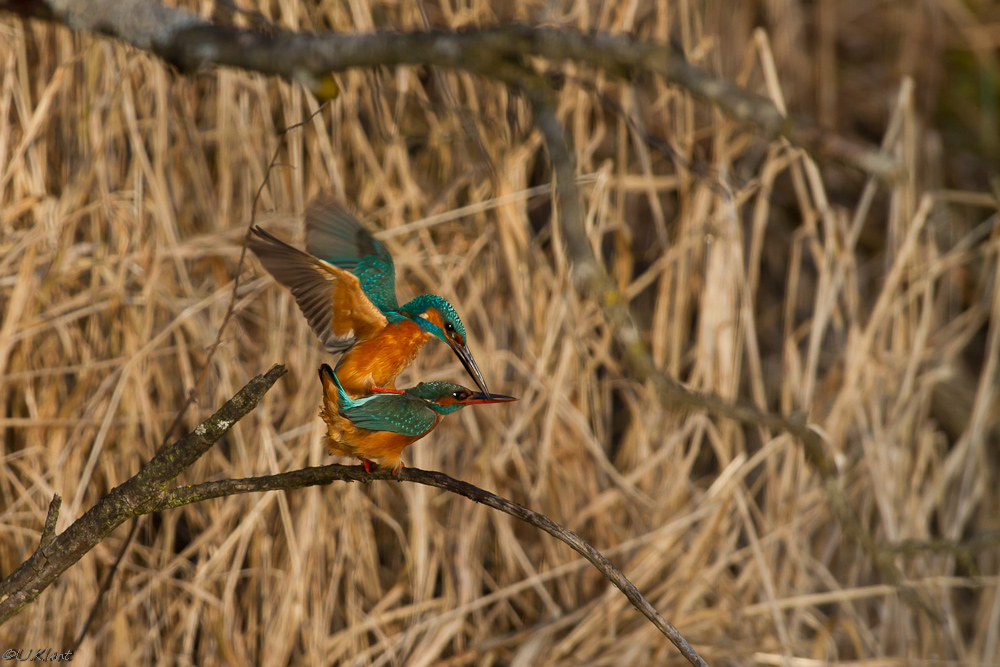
(401,414)
(336,236)
(409,414)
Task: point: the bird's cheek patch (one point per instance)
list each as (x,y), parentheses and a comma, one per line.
(434,317)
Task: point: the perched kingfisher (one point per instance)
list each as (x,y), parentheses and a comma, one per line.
(378,427)
(345,287)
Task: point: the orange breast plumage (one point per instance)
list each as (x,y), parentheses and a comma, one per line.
(376,361)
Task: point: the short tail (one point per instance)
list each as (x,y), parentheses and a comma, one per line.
(330,383)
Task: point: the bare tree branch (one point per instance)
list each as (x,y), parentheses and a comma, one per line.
(298,479)
(591,279)
(132,498)
(191,44)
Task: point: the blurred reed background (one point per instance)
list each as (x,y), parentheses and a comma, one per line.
(125,191)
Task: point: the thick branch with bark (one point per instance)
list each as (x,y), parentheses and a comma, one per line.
(192,44)
(136,496)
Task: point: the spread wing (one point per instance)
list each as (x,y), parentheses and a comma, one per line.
(336,236)
(397,413)
(331,299)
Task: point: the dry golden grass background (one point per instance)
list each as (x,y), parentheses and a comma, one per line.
(125,191)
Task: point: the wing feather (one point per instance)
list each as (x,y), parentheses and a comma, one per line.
(337,237)
(396,413)
(332,300)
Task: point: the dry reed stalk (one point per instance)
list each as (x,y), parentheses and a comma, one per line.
(124,197)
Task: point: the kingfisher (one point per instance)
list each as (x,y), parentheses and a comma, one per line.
(344,284)
(378,427)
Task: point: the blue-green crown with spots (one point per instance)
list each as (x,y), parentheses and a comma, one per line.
(424,303)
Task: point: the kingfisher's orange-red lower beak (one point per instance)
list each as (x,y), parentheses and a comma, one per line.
(480,397)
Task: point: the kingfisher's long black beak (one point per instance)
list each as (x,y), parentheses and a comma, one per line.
(465,356)
(479,397)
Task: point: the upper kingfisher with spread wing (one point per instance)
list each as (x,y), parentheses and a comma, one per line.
(345,287)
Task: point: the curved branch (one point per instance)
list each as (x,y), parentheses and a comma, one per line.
(298,479)
(191,44)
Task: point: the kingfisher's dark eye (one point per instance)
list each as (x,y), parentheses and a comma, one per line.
(457,396)
(448,326)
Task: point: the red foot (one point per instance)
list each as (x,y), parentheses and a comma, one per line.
(385,390)
(395,471)
(366,463)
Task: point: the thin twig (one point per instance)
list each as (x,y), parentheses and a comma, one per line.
(952,547)
(591,279)
(962,551)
